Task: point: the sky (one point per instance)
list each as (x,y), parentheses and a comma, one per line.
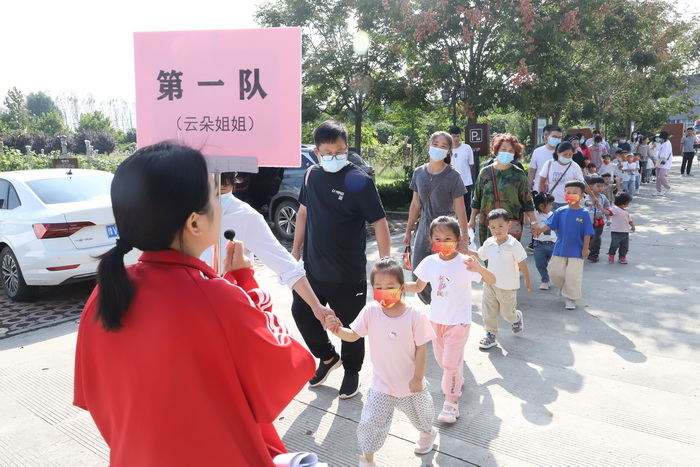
(86,46)
(81,47)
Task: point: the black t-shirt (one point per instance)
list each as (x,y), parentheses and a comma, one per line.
(625,147)
(338,205)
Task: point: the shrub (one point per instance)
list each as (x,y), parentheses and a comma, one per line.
(396,195)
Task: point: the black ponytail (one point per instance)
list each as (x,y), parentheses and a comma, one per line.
(154,192)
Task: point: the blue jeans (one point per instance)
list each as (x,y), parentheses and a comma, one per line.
(628,186)
(543,252)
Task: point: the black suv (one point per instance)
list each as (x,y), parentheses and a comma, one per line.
(274,191)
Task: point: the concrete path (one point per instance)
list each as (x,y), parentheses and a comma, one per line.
(614,382)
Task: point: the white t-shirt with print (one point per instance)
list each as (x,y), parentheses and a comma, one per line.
(503,261)
(553,171)
(462,158)
(626,176)
(549,235)
(451,288)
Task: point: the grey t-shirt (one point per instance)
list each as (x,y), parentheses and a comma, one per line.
(440,203)
(688,142)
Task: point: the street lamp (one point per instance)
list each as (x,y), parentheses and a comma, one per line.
(451,95)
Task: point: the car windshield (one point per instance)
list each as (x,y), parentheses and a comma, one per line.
(72,189)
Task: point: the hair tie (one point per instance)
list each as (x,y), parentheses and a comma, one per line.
(123,247)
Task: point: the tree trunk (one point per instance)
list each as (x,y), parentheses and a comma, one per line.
(358,125)
(556,116)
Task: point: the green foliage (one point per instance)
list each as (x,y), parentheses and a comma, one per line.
(14,159)
(16,117)
(40,103)
(51,123)
(396,195)
(96,121)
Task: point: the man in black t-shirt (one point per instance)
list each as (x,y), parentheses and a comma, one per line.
(337,200)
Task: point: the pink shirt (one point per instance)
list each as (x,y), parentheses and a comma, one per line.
(620,220)
(392,345)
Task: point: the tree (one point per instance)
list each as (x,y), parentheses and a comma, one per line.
(95,121)
(51,123)
(40,103)
(336,80)
(17,116)
(101,140)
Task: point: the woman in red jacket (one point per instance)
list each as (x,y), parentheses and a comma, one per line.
(175,364)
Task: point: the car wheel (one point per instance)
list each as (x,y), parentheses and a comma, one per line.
(12,279)
(285,219)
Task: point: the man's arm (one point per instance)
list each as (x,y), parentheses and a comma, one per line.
(381,233)
(299,231)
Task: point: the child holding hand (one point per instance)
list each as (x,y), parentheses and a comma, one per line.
(398,334)
(620,226)
(450,275)
(506,259)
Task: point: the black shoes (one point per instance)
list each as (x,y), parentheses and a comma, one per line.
(350,386)
(324,370)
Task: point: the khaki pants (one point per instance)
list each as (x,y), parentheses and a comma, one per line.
(497,301)
(567,275)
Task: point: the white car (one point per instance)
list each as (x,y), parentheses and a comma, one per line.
(54,224)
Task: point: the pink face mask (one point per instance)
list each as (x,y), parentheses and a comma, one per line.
(444,248)
(387,297)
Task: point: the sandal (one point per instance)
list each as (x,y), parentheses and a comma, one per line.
(488,341)
(518,326)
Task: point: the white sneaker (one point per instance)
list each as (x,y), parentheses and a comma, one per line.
(425,442)
(544,286)
(656,193)
(450,413)
(668,190)
(570,304)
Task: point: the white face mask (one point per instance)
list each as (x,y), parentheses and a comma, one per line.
(335,163)
(437,154)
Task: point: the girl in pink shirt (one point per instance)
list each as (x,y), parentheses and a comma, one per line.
(398,334)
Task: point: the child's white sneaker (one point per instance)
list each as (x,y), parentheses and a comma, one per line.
(544,286)
(570,304)
(656,193)
(425,441)
(450,413)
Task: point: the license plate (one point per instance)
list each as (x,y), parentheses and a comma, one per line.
(112,231)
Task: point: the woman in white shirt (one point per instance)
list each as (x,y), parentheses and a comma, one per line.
(555,173)
(663,164)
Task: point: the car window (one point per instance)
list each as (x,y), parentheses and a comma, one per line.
(307,159)
(71,189)
(13,199)
(356,159)
(4,191)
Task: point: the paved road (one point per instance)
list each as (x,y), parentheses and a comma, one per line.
(615,382)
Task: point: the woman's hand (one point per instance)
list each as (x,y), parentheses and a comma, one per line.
(407,238)
(235,259)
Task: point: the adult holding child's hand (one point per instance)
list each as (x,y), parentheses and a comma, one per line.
(174,363)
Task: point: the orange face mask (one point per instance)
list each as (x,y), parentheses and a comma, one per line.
(571,199)
(444,248)
(387,297)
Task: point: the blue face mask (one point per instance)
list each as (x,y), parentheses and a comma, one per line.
(582,141)
(554,142)
(564,160)
(437,154)
(658,140)
(335,163)
(615,145)
(505,157)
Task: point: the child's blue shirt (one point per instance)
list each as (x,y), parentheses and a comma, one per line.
(572,225)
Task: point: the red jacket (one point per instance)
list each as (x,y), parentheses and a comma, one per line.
(195,376)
